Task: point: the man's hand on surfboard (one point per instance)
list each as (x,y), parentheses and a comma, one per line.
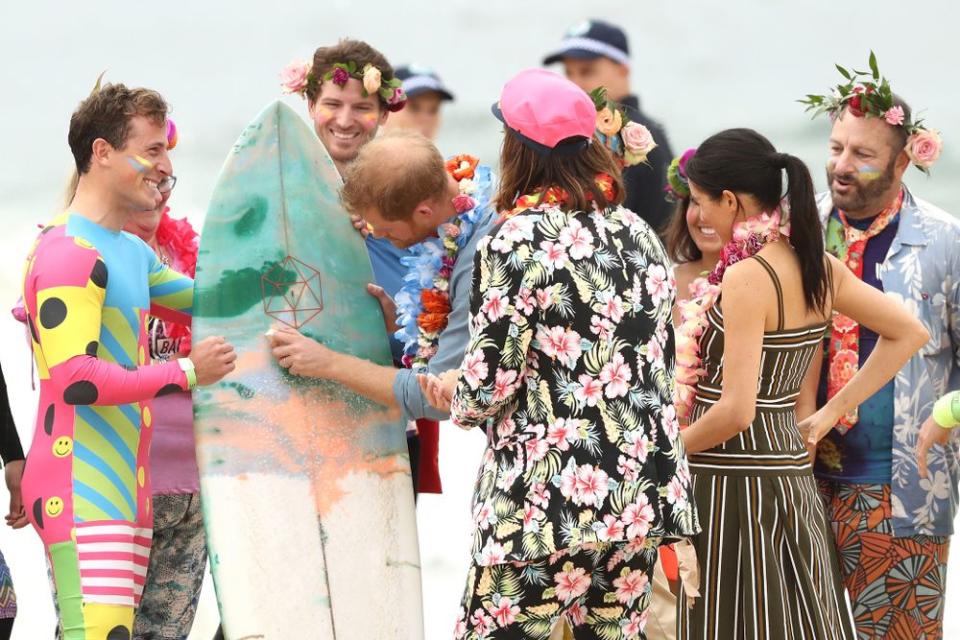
(361,225)
(438,390)
(212,358)
(387,304)
(299,354)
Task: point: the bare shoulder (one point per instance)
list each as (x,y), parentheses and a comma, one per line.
(745,272)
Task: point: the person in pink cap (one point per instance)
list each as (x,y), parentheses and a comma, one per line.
(568,370)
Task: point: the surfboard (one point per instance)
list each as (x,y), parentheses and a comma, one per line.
(306,489)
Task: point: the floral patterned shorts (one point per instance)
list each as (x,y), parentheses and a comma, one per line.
(603,591)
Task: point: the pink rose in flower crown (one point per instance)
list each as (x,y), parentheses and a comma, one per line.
(924,147)
(638,142)
(894,116)
(397,101)
(295,76)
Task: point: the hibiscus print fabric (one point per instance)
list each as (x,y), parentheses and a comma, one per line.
(602,592)
(570,371)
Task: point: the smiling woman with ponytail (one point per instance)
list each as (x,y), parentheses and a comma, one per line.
(744,349)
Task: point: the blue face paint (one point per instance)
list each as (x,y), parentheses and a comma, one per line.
(139,164)
(868,173)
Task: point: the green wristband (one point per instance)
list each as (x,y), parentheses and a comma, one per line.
(191,379)
(186,365)
(946,410)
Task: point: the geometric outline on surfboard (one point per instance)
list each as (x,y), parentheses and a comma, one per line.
(284,299)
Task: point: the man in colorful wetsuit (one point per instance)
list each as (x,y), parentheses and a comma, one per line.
(87,291)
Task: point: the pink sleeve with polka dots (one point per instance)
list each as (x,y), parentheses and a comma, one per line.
(90,352)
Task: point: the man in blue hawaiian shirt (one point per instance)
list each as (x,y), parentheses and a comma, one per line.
(892,527)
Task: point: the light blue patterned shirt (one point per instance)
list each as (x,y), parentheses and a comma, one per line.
(922,270)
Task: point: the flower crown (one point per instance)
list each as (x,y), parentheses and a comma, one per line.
(297,76)
(678,186)
(868,95)
(630,141)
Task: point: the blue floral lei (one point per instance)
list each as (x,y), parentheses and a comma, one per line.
(430,265)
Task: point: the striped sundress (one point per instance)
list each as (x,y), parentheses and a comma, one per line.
(767,561)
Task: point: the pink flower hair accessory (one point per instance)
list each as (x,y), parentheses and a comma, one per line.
(172,136)
(296,76)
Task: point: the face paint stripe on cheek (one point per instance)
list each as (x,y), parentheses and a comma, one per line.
(867,172)
(139,163)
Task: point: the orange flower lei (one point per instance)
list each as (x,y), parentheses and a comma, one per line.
(554,196)
(423,311)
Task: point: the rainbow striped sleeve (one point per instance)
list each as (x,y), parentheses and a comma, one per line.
(171,293)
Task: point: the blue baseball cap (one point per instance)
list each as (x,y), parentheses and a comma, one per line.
(418,80)
(592,39)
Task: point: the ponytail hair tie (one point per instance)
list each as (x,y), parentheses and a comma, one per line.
(781,160)
(171,134)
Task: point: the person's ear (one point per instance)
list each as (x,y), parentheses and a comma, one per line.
(424,212)
(901,164)
(101,151)
(730,201)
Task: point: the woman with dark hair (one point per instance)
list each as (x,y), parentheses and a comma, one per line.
(568,371)
(693,245)
(769,568)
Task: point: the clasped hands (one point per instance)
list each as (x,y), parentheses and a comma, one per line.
(438,390)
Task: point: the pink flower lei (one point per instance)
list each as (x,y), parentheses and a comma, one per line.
(749,237)
(181,242)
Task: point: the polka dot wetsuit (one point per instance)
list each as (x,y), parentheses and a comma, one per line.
(87,291)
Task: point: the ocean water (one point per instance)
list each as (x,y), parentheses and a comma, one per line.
(698,66)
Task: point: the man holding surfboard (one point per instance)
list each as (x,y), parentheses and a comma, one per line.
(402,187)
(87,291)
(351,89)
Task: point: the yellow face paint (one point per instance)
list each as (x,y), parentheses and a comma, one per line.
(868,173)
(370,118)
(139,163)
